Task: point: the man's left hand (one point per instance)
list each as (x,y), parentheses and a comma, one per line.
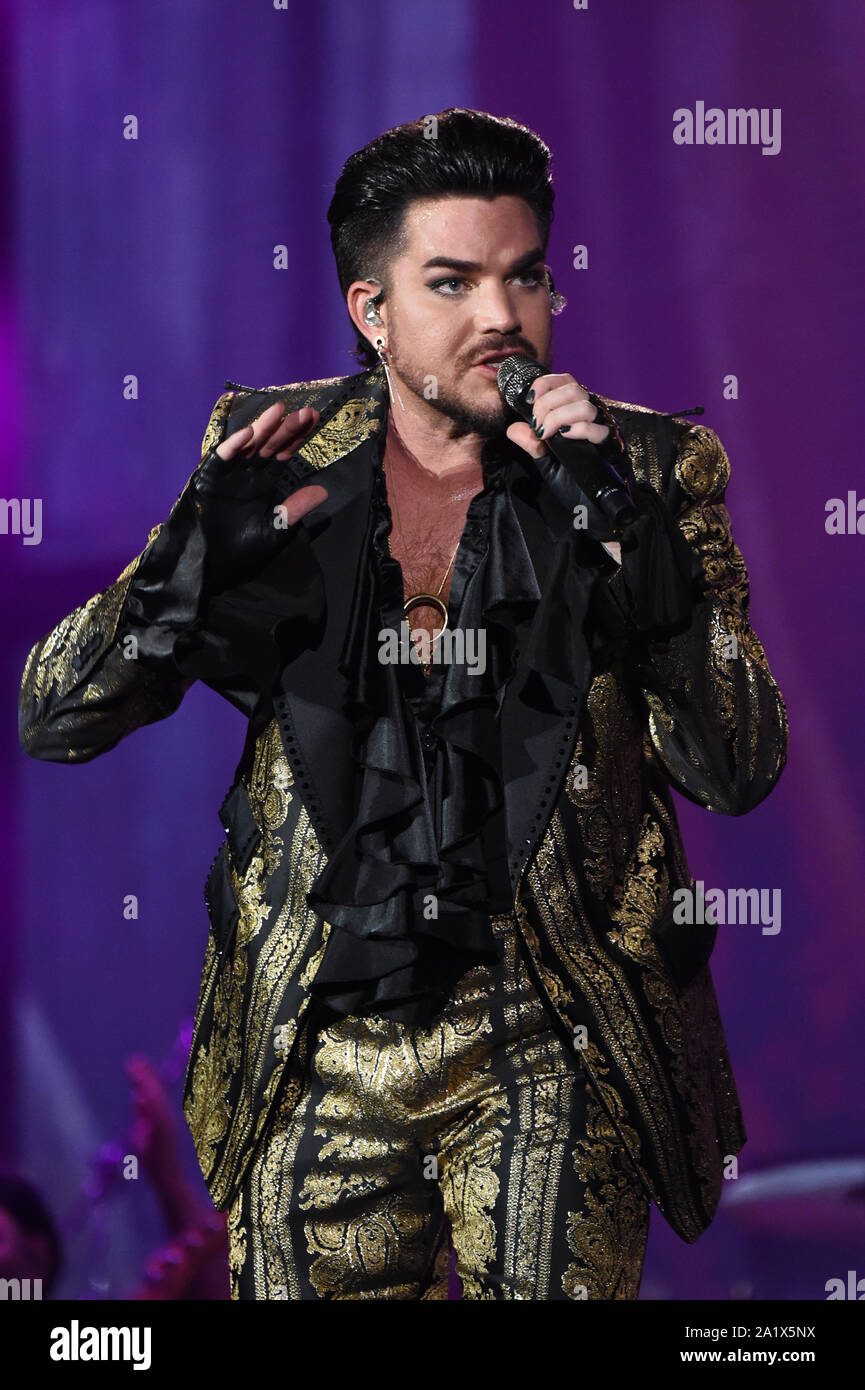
(560,403)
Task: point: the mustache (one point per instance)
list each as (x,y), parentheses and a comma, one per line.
(520,346)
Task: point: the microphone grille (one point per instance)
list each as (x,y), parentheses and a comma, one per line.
(515,375)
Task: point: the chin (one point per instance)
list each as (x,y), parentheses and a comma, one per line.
(472,418)
(484,400)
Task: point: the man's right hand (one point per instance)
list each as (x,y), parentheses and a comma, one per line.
(243,521)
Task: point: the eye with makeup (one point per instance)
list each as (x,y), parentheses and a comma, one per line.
(536,278)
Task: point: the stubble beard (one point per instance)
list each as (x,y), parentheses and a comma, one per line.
(465,418)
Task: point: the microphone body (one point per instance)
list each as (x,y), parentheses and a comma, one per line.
(569,462)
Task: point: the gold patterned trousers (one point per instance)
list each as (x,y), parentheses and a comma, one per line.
(480,1129)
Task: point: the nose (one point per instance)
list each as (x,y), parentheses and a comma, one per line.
(496,310)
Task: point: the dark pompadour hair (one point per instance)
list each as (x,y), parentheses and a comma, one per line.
(455,152)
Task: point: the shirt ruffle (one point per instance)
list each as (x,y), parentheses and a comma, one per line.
(409,891)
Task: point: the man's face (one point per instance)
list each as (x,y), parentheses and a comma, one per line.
(470,283)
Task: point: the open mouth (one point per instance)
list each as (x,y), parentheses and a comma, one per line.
(489,365)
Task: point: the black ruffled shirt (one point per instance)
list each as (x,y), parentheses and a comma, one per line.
(429,847)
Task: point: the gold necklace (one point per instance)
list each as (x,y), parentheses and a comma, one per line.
(420,600)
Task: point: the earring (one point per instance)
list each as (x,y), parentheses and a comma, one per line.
(371,314)
(379,346)
(557,301)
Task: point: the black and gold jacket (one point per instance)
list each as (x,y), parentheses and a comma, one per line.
(594,853)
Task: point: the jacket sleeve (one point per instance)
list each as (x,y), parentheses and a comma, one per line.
(716,718)
(80,692)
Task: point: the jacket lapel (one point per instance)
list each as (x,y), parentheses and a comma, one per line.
(308,704)
(539,717)
(541,710)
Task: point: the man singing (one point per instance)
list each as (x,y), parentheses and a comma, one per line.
(446,992)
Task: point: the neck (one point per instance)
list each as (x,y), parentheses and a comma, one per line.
(430,438)
(452,484)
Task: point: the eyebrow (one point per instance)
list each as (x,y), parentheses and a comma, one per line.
(536,254)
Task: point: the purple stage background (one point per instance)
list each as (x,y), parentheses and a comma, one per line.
(154,257)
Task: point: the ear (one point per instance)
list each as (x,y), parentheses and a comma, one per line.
(357,295)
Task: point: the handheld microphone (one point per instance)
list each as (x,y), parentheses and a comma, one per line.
(576,464)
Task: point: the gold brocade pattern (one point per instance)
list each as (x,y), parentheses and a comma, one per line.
(473,1117)
(236,1243)
(350,426)
(269,792)
(646,895)
(250,1035)
(49,668)
(722,667)
(207,1110)
(209,972)
(641,899)
(608,1234)
(702,466)
(622,1033)
(667,1078)
(249,890)
(272,1190)
(712,725)
(215,432)
(376,1072)
(641,443)
(608,805)
(275,1273)
(661,808)
(535,1170)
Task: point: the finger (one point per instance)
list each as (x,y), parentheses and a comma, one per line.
(299,503)
(566,410)
(569,394)
(576,430)
(572,419)
(234,443)
(255,438)
(542,385)
(263,427)
(525,437)
(303,435)
(286,438)
(293,423)
(242,439)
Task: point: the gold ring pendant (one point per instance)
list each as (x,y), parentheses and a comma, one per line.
(431,600)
